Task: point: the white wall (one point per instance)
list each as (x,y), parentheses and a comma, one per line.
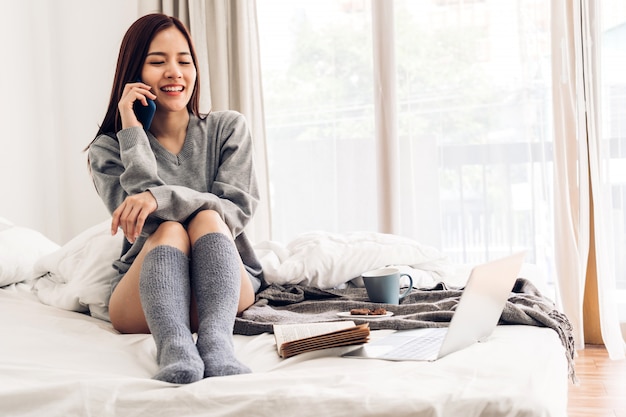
(58,61)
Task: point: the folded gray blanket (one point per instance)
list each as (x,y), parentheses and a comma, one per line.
(425,307)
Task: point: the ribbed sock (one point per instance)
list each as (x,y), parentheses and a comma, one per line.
(216,282)
(165,293)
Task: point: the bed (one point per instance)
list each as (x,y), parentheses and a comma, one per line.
(59,356)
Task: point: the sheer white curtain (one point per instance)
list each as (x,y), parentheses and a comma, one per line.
(571,183)
(602,199)
(581,172)
(601,181)
(386,121)
(226,40)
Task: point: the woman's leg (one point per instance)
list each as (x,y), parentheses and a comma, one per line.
(155,296)
(221,288)
(209,221)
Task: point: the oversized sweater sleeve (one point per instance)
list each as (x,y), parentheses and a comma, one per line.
(122,167)
(106,169)
(233,190)
(128,166)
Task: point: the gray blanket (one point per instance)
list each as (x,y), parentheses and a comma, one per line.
(426,307)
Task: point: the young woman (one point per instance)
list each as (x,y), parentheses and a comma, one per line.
(182,193)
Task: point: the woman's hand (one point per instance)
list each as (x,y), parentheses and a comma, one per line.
(137,91)
(131,215)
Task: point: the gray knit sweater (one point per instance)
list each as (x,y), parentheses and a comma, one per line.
(214,170)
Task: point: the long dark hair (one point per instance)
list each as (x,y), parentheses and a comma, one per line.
(130,62)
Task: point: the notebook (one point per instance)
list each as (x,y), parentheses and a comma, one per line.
(476,316)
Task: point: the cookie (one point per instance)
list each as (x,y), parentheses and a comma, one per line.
(368,312)
(360,311)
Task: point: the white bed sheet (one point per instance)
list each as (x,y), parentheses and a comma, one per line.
(60,363)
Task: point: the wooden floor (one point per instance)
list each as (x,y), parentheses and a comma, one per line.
(602,385)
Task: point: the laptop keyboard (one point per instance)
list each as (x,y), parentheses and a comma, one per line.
(425,346)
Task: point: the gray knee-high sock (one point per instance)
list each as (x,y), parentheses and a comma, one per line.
(165,293)
(216,281)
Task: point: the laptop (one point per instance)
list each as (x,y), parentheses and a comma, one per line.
(477,314)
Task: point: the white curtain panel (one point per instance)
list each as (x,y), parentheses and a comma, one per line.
(386,126)
(590,43)
(227,31)
(578,169)
(570,171)
(226,41)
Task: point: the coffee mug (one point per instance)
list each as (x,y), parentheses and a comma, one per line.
(383,285)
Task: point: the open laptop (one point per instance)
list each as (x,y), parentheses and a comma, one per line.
(476,316)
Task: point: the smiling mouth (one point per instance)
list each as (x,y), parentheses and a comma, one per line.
(173,89)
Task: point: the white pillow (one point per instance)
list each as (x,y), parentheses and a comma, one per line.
(20,248)
(5,224)
(78,276)
(328,260)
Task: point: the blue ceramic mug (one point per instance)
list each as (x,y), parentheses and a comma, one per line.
(383,285)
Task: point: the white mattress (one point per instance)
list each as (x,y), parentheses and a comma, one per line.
(61,363)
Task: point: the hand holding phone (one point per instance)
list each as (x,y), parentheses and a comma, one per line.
(144,114)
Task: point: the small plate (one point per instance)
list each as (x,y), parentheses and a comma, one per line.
(346,314)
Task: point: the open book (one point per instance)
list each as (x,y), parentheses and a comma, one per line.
(293,339)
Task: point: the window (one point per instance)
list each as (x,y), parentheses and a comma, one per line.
(473,121)
(474,114)
(317,82)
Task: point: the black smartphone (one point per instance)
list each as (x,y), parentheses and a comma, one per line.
(144,113)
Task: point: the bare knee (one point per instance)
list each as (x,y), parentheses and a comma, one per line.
(207,221)
(169,233)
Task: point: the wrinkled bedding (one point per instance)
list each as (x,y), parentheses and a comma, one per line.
(59,356)
(55,362)
(77,276)
(329,260)
(427,307)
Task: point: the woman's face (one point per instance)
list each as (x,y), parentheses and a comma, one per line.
(169,70)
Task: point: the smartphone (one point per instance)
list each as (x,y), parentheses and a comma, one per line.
(144,113)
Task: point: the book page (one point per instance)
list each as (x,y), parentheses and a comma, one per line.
(351,336)
(289,332)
